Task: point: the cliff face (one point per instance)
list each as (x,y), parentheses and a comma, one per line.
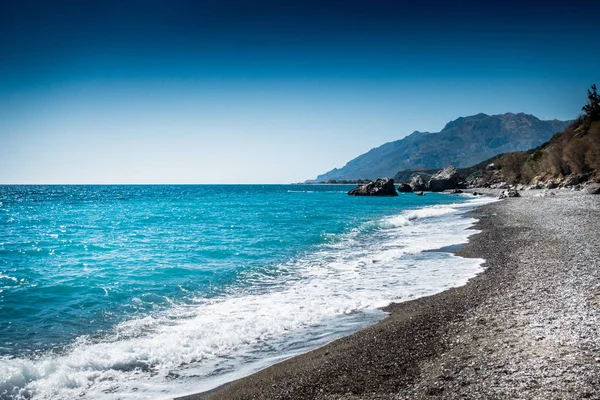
(463,142)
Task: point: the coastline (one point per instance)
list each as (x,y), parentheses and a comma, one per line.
(524,328)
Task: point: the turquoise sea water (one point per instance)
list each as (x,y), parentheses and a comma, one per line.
(153,291)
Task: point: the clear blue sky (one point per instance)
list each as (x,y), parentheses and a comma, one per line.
(268,91)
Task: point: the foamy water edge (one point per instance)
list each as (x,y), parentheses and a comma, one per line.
(177,352)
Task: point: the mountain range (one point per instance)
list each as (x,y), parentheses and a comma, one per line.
(463,142)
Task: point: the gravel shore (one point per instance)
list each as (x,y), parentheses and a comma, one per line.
(526,328)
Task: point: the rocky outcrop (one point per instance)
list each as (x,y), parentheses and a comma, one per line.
(509,193)
(593,188)
(417,183)
(548,181)
(404,188)
(444,180)
(420,193)
(381,187)
(572,180)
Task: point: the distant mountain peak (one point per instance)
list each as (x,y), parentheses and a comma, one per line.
(463,142)
(462,120)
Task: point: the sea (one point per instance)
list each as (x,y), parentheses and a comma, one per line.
(151,292)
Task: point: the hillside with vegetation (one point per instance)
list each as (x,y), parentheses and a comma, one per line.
(568,158)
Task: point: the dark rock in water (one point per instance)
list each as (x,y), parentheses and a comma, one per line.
(477,194)
(404,188)
(444,180)
(509,193)
(417,183)
(456,191)
(381,187)
(593,188)
(419,193)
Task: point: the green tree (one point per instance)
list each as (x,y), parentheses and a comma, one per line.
(592,108)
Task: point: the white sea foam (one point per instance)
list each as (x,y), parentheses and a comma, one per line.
(193,348)
(12,278)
